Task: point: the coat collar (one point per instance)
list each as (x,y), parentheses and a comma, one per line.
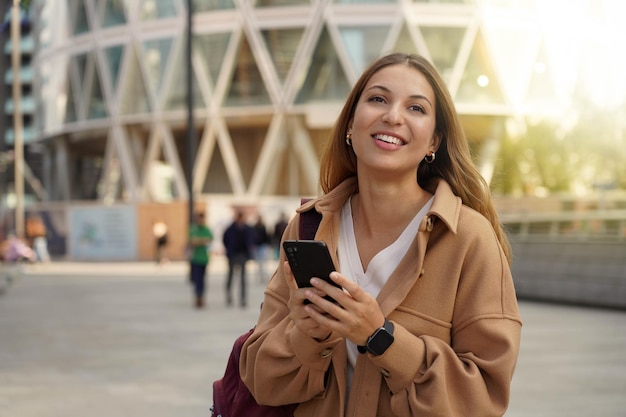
(446,206)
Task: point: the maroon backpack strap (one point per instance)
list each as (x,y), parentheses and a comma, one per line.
(309,222)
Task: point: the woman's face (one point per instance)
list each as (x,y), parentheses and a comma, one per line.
(393,127)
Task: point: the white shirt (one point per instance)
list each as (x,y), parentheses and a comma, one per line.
(380,267)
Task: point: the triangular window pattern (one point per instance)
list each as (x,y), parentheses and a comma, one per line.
(216,179)
(282,45)
(541,88)
(79,22)
(135,99)
(212,49)
(114,13)
(444,43)
(363,44)
(278,3)
(70,105)
(177,98)
(113,56)
(326,80)
(248,143)
(200,6)
(247,86)
(96,106)
(157,9)
(405,43)
(155,57)
(80,65)
(479,83)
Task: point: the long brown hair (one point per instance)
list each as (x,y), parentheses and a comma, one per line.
(453,160)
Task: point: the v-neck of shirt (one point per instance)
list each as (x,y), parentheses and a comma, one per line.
(384,262)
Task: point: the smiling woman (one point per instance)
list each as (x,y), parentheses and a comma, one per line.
(407,220)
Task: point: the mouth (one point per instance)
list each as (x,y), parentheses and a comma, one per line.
(389,139)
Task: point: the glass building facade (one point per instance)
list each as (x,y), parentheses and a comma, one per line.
(269,77)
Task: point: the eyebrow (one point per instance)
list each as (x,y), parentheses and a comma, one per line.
(413,96)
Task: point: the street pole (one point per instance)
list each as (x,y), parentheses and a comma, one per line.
(17,120)
(191,138)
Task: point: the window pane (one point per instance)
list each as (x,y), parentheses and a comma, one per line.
(212,48)
(156,9)
(275,3)
(479,83)
(443,44)
(200,6)
(282,45)
(156,54)
(363,44)
(113,13)
(326,80)
(113,56)
(134,99)
(80,19)
(97,108)
(247,87)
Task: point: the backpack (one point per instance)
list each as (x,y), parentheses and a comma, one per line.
(231,397)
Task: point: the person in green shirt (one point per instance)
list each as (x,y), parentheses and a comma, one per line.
(200,236)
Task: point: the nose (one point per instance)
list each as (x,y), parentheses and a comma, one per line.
(392,116)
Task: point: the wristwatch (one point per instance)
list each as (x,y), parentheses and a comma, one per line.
(378,343)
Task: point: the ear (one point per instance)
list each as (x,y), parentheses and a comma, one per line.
(435,141)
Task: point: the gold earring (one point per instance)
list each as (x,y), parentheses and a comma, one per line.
(430,158)
(349,139)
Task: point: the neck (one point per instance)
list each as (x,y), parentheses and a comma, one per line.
(386,208)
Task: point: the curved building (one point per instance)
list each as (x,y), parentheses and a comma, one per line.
(269,79)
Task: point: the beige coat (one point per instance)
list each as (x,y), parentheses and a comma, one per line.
(457,327)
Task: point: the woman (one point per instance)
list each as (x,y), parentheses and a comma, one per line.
(427,323)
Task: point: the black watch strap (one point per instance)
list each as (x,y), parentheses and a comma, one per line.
(378,342)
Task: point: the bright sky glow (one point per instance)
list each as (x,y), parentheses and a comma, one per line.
(585,41)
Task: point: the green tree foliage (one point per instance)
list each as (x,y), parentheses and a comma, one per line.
(565,156)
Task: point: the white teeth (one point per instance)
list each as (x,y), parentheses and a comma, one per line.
(388,139)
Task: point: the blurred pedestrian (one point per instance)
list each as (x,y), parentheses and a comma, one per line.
(36,237)
(239,243)
(279,229)
(200,238)
(18,251)
(261,247)
(159,231)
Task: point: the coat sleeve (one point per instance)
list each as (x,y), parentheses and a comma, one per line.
(469,374)
(279,364)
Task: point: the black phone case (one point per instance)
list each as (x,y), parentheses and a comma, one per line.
(308,259)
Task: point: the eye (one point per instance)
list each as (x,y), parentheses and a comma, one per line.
(376,99)
(417,107)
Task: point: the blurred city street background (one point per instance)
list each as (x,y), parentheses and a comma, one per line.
(122,339)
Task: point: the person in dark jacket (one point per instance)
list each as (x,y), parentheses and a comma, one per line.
(238,241)
(261,247)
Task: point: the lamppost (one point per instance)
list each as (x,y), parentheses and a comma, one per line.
(191,138)
(18,124)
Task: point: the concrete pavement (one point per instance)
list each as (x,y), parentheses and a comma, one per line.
(114,340)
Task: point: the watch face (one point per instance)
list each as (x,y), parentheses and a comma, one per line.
(379,343)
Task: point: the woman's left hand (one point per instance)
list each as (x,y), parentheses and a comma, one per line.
(356,314)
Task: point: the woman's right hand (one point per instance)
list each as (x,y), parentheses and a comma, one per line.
(297,310)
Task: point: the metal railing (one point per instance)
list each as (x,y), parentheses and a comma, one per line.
(567,225)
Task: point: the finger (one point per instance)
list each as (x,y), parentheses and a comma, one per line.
(289,278)
(349,286)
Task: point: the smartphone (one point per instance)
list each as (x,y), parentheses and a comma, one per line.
(308,259)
